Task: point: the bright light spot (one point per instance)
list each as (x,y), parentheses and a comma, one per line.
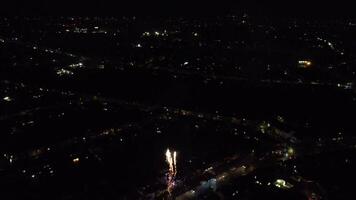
(76,65)
(304,63)
(8,99)
(76,160)
(146,34)
(280,183)
(62,72)
(290,151)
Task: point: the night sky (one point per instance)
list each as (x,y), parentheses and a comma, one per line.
(279,8)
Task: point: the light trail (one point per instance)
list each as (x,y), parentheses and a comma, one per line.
(171,159)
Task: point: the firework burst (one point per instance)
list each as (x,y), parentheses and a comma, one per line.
(171,159)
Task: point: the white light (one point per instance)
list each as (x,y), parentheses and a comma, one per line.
(63,72)
(146,34)
(76,65)
(305,63)
(280,183)
(8,99)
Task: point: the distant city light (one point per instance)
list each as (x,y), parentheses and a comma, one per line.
(76,160)
(146,34)
(290,151)
(280,183)
(76,65)
(220,91)
(8,99)
(62,72)
(304,63)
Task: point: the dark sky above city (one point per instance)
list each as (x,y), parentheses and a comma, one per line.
(183,7)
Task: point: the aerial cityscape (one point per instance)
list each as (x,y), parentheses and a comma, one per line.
(235,106)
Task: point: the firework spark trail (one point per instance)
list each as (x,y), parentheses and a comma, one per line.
(171,160)
(174,163)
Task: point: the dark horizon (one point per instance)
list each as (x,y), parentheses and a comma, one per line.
(340,9)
